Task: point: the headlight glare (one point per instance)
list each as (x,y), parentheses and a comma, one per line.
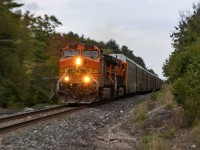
(66,78)
(78,61)
(86,79)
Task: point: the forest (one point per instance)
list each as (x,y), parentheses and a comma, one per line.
(30,53)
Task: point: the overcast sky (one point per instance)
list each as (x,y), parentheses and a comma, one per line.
(142,25)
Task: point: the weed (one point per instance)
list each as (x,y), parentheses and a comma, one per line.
(141,113)
(171,132)
(169,105)
(154,96)
(145,141)
(154,142)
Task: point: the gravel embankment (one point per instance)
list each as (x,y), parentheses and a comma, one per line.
(82,130)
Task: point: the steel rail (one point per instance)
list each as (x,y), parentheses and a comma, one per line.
(26,114)
(39,119)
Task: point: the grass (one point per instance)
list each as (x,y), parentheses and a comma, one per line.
(195,132)
(154,96)
(158,143)
(145,142)
(141,113)
(169,105)
(170,133)
(167,98)
(154,142)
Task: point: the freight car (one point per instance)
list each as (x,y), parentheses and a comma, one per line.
(87,75)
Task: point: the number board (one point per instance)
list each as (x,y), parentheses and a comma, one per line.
(73,46)
(89,46)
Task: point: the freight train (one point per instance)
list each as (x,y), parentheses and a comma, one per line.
(87,75)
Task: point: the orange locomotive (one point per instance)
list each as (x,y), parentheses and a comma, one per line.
(86,75)
(80,73)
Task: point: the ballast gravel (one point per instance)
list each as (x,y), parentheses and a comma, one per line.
(80,130)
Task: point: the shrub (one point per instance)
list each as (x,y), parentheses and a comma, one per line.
(183,66)
(186,91)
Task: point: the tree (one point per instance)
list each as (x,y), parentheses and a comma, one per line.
(14,81)
(41,28)
(111,44)
(43,61)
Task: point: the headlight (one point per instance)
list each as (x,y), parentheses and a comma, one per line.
(78,61)
(66,78)
(86,79)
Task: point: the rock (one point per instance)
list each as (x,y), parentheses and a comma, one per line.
(35,131)
(174,147)
(28,109)
(193,146)
(121,111)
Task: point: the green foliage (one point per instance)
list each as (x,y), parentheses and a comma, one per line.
(41,28)
(113,45)
(187,89)
(24,60)
(145,141)
(169,105)
(13,81)
(154,96)
(183,66)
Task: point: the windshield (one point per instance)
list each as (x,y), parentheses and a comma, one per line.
(90,53)
(70,53)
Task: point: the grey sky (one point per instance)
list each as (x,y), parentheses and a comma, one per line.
(142,25)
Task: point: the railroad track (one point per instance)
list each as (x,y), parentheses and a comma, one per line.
(13,122)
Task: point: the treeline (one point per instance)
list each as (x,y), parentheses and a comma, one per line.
(25,57)
(183,66)
(30,54)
